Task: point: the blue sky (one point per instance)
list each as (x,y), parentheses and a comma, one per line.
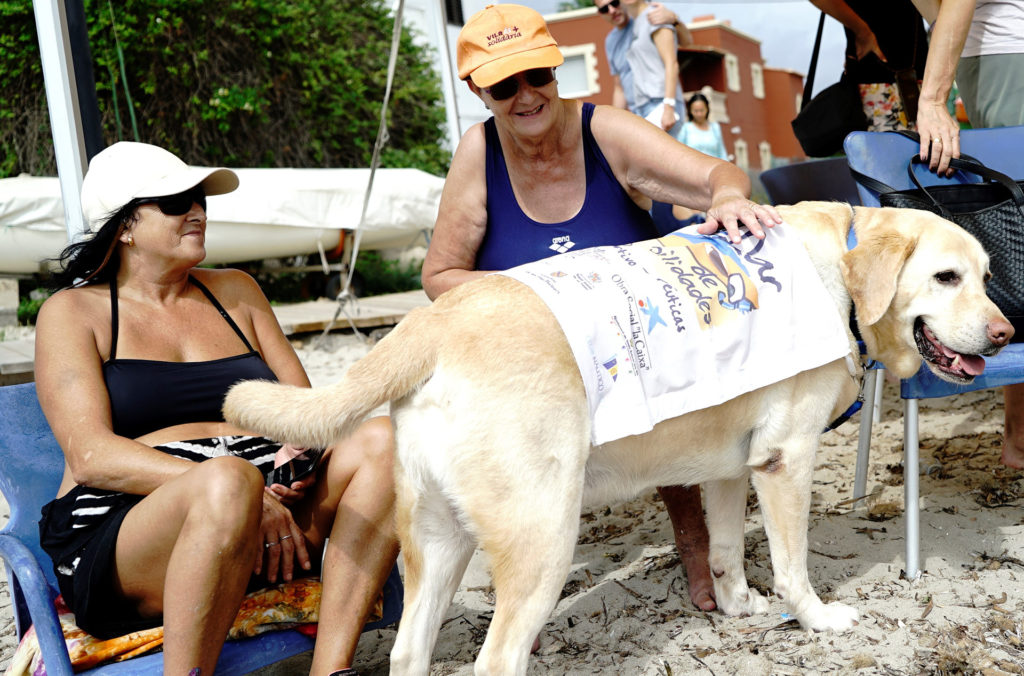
(785,29)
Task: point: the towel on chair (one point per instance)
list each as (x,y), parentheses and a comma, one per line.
(291,605)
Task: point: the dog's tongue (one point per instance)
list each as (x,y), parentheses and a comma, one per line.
(972,364)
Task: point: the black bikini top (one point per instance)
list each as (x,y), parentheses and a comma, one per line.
(148,395)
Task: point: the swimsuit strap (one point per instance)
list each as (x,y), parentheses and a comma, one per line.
(113,319)
(223,312)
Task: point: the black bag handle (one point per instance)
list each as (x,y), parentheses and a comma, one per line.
(965,163)
(809,86)
(972,166)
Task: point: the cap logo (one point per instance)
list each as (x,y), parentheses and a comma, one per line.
(507,33)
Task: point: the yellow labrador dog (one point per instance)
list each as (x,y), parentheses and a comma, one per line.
(493,430)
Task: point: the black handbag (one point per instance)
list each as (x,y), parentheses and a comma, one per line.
(992,211)
(824,121)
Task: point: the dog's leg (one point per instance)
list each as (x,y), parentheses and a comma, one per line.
(784,491)
(726,506)
(436,550)
(529,567)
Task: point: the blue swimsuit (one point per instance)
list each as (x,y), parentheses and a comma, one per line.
(608,216)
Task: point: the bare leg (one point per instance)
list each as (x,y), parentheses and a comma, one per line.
(353,503)
(1013,432)
(187,551)
(691,535)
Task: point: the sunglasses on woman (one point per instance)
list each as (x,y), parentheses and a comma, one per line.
(179,204)
(507,88)
(604,9)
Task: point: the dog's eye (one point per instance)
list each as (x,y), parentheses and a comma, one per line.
(947,277)
(988,277)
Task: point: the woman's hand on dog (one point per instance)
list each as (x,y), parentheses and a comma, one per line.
(282,542)
(732,211)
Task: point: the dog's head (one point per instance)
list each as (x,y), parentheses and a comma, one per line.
(918,286)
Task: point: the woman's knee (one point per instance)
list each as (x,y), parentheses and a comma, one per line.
(230,484)
(376,442)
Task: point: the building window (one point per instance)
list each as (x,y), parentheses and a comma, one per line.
(453,12)
(732,72)
(577,77)
(757,75)
(764,149)
(742,159)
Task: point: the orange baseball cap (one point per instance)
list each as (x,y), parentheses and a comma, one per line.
(502,40)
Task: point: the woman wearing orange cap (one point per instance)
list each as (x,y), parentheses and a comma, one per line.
(546,175)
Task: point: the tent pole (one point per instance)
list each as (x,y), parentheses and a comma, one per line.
(62,102)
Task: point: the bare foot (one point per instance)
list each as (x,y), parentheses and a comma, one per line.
(1012,455)
(691,535)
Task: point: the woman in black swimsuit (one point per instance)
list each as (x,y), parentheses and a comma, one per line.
(163,516)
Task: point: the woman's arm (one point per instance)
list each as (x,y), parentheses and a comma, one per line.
(665,41)
(461,218)
(652,165)
(934,123)
(73,395)
(865,41)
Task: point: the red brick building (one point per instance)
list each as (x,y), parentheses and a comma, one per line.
(753,103)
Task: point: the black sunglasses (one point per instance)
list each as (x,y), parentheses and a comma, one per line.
(180,204)
(604,9)
(507,88)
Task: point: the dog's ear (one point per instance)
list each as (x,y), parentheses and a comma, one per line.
(871,271)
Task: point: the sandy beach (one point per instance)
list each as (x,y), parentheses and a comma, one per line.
(625,608)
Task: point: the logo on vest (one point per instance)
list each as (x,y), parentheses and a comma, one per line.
(505,34)
(561,244)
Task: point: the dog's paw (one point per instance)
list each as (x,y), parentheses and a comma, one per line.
(829,617)
(747,602)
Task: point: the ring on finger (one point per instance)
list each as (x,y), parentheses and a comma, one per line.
(268,545)
(285,537)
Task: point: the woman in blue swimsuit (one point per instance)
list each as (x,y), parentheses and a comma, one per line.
(546,175)
(166,513)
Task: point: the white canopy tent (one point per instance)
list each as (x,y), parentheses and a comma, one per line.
(274,213)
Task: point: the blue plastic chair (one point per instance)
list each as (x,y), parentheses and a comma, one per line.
(884,157)
(31,466)
(823,180)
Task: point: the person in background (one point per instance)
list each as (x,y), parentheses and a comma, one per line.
(621,36)
(667,217)
(981,42)
(546,175)
(166,513)
(699,132)
(886,53)
(653,62)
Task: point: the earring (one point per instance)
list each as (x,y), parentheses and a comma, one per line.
(131,240)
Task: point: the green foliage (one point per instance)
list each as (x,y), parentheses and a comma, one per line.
(380,275)
(240,83)
(28,306)
(570,5)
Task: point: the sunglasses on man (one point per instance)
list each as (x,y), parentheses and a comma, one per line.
(507,88)
(604,9)
(179,204)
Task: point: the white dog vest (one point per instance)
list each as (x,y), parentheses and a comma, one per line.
(672,325)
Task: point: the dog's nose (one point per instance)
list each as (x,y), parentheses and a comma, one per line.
(1000,331)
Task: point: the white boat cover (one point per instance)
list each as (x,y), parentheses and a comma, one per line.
(274,213)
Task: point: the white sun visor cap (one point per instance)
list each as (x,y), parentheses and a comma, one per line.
(128,170)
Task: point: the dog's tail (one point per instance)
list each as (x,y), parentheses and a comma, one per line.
(318,417)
